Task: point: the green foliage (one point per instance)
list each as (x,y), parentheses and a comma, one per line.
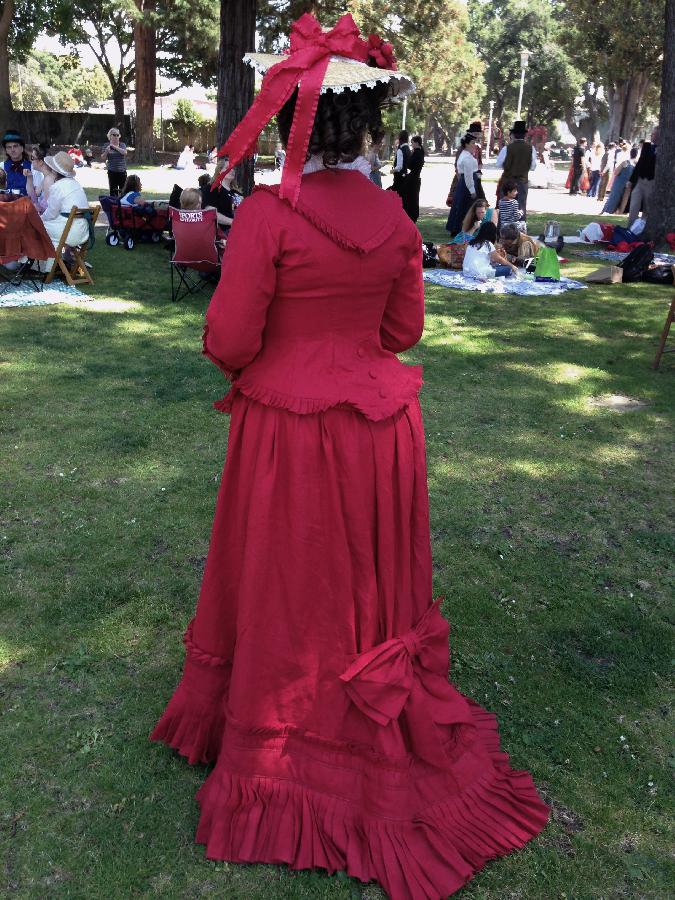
(607,45)
(47,81)
(28,21)
(500,30)
(187,37)
(185,114)
(429,40)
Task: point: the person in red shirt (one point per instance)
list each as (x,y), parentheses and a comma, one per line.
(316,671)
(76,155)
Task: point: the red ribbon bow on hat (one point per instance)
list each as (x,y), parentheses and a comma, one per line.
(381,52)
(304,67)
(409,676)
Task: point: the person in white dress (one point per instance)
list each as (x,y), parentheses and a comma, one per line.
(187,158)
(64,193)
(482,259)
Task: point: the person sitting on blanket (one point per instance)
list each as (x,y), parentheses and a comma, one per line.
(479,212)
(482,259)
(509,211)
(131,196)
(518,248)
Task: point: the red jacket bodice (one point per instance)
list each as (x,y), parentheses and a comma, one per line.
(313,304)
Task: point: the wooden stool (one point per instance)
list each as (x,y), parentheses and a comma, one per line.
(75,272)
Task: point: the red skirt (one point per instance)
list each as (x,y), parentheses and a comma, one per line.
(316,672)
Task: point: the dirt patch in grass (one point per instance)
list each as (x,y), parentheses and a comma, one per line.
(617,402)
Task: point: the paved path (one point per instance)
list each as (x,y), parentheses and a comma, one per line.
(436,179)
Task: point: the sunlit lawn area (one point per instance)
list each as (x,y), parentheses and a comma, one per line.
(553,539)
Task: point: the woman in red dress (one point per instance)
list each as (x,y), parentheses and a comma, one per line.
(316,672)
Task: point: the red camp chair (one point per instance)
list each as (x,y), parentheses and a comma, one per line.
(196,257)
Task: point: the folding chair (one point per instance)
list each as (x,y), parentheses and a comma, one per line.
(74,271)
(195,262)
(670,318)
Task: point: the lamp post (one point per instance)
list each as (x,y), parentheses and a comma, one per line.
(489,137)
(524,59)
(405,113)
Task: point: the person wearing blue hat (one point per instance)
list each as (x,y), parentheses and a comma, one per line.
(17,165)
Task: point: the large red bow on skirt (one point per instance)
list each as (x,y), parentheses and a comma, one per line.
(304,67)
(409,676)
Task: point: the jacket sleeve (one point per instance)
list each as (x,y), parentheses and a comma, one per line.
(235,319)
(403,319)
(470,167)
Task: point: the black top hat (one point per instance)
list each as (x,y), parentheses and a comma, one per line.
(519,129)
(12,136)
(475,127)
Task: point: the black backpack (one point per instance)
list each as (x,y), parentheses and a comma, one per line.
(636,263)
(429,255)
(659,275)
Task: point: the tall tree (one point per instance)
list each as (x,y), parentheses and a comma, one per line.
(622,56)
(47,81)
(145,58)
(20,23)
(235,80)
(500,30)
(429,37)
(182,32)
(5,96)
(661,218)
(107,29)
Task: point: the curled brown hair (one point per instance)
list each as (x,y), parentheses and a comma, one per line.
(341,123)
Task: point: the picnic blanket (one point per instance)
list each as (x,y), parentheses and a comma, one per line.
(522,286)
(663,259)
(25,295)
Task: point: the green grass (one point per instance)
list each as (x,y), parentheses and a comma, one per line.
(553,546)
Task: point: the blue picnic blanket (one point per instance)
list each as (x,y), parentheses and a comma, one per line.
(524,286)
(26,295)
(664,259)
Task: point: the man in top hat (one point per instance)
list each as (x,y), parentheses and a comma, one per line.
(17,164)
(518,159)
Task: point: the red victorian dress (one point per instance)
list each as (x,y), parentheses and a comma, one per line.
(316,672)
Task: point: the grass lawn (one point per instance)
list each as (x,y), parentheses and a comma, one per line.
(553,546)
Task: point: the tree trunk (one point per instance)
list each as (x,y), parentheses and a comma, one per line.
(145,44)
(235,78)
(661,213)
(625,98)
(118,92)
(5,96)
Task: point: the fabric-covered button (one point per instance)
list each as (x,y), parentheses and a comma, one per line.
(372,374)
(361,352)
(383,394)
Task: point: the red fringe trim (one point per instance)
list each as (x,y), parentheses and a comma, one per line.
(269,820)
(194,720)
(382,409)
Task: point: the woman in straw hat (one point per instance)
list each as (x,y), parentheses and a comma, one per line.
(64,193)
(316,672)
